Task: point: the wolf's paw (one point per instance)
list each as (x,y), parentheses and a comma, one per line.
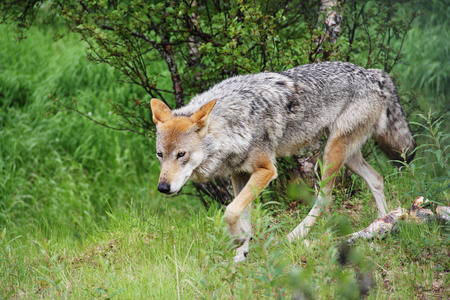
(239,258)
(241,254)
(243,249)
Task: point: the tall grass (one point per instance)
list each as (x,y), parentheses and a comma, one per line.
(58,170)
(425,66)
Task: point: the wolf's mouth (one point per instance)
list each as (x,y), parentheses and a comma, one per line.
(171,189)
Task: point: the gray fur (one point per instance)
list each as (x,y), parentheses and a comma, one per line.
(281,113)
(396,135)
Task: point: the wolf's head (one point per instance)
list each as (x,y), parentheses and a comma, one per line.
(178,143)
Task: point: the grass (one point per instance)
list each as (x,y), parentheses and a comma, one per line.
(425,67)
(187,258)
(80,217)
(68,170)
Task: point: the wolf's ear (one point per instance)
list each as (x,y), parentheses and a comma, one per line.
(161,112)
(201,116)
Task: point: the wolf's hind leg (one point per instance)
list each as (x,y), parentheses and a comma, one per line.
(359,166)
(334,157)
(239,181)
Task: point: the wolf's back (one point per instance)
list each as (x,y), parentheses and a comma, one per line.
(393,133)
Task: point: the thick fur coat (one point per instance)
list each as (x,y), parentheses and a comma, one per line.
(281,113)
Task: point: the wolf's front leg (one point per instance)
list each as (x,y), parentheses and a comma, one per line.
(238,212)
(241,231)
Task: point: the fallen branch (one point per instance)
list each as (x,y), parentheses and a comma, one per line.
(388,223)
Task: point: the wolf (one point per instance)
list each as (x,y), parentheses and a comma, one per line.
(241,125)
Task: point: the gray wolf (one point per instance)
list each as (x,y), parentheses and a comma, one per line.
(239,127)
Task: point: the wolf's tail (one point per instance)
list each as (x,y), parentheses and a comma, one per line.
(393,133)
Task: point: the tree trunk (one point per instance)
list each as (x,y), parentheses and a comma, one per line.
(332,21)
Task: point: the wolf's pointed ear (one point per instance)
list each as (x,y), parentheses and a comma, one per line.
(161,112)
(201,116)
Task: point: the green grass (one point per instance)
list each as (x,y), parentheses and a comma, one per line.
(80,217)
(69,171)
(166,256)
(425,67)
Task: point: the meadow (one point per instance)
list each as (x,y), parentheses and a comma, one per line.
(80,216)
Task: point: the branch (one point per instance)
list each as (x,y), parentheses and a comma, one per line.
(388,223)
(69,108)
(165,50)
(397,56)
(175,75)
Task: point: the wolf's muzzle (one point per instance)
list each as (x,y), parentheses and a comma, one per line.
(164,187)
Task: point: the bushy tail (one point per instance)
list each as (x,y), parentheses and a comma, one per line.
(393,133)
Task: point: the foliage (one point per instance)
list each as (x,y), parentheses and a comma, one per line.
(375,31)
(436,152)
(207,41)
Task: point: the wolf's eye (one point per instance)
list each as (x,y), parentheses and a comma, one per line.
(181,154)
(159,154)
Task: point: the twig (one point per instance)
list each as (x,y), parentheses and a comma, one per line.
(97,122)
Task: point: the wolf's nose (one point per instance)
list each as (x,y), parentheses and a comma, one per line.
(164,187)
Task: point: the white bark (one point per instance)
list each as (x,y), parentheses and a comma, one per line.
(332,20)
